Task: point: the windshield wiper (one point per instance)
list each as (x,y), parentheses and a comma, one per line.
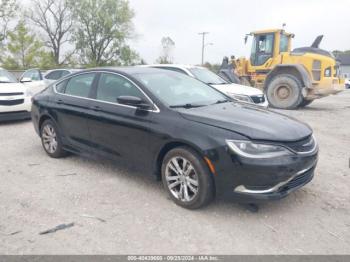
(5,82)
(187,106)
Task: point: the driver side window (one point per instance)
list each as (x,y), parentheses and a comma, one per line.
(262,49)
(112,86)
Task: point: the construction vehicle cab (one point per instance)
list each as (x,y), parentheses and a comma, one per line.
(290,79)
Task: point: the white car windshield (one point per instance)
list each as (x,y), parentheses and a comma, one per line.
(7,77)
(207,76)
(178,90)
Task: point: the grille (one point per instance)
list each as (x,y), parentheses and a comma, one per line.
(258,99)
(11,94)
(11,102)
(299,180)
(302,146)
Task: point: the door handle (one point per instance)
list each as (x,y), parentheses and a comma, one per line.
(59,101)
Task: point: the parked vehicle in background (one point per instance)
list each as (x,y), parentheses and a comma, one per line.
(236,91)
(56,74)
(198,140)
(39,80)
(33,78)
(15,98)
(289,78)
(347,83)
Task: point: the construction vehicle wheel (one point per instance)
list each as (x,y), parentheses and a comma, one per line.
(284,92)
(305,103)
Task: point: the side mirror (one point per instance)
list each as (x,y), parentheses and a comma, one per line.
(133,101)
(26,80)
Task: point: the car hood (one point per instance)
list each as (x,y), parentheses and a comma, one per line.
(250,121)
(12,88)
(238,89)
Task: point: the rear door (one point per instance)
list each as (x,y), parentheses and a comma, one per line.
(118,130)
(71,107)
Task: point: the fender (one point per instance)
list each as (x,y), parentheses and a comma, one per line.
(297,70)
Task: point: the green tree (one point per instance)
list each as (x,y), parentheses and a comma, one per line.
(23,49)
(101,31)
(338,52)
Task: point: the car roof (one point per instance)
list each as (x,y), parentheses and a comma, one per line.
(132,70)
(180,66)
(66,69)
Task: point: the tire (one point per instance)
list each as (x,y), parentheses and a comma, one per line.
(305,103)
(199,194)
(284,92)
(51,140)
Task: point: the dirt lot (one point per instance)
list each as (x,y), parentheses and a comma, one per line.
(38,193)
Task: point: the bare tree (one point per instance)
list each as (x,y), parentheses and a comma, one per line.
(7,12)
(54,19)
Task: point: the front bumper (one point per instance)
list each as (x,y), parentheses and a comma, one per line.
(278,191)
(16,112)
(11,116)
(255,180)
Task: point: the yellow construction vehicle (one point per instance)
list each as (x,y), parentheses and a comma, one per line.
(290,79)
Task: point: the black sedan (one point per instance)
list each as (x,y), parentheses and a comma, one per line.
(197,140)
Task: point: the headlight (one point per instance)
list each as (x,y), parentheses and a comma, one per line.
(241,97)
(253,150)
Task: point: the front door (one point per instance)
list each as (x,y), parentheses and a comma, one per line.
(117,130)
(262,50)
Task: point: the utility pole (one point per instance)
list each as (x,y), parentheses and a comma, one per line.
(203,34)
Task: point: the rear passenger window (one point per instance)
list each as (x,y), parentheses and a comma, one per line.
(54,75)
(112,86)
(65,73)
(80,85)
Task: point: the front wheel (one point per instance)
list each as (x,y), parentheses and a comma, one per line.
(284,92)
(187,179)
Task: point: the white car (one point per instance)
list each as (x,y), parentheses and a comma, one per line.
(34,77)
(56,74)
(15,98)
(239,92)
(347,83)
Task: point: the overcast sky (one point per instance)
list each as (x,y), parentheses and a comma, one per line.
(229,20)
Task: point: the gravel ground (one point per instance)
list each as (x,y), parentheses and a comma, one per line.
(136,217)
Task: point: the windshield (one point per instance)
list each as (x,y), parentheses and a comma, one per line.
(176,89)
(7,77)
(207,76)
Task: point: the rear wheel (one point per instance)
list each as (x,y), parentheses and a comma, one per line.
(284,92)
(187,179)
(51,140)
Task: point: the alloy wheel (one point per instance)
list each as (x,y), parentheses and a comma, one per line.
(49,138)
(182,179)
